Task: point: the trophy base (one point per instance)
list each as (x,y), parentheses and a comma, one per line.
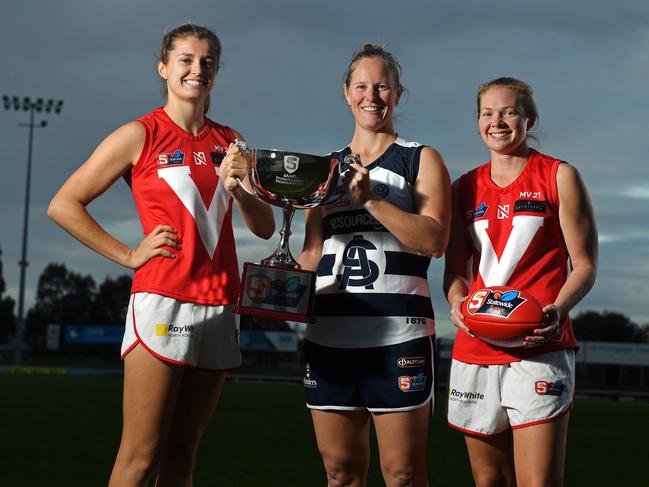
(277,292)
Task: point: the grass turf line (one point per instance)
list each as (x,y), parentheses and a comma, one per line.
(64,431)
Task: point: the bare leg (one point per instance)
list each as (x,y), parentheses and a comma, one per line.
(150,390)
(540,452)
(197,400)
(343,441)
(492,460)
(402,439)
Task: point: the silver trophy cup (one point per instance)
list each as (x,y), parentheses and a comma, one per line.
(278,287)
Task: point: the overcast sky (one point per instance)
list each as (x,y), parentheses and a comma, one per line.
(280,86)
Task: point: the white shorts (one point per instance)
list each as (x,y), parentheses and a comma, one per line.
(183,333)
(488,399)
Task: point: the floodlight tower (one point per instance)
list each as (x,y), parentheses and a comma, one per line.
(39,105)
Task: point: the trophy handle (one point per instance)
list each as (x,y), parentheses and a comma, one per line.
(241,144)
(243,186)
(343,166)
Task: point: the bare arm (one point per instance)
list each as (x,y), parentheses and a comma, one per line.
(257,215)
(115,155)
(312,250)
(427,230)
(580,234)
(457,269)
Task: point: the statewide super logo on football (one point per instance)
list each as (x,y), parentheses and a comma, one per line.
(494,303)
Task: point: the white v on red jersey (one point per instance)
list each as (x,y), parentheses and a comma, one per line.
(175,182)
(516,241)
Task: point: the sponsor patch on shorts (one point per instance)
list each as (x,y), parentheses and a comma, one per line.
(545,388)
(406,362)
(308,381)
(408,383)
(465,397)
(173,330)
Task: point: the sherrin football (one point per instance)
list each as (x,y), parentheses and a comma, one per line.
(502,316)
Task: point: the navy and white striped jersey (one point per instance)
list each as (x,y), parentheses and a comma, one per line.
(372,290)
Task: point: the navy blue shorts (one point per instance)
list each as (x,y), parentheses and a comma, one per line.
(393,378)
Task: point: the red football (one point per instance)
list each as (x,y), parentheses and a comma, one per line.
(502,316)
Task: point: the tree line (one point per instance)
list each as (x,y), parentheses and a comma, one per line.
(67,297)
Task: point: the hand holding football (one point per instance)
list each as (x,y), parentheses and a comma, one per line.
(501,315)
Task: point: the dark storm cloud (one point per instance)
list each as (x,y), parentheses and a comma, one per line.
(280,85)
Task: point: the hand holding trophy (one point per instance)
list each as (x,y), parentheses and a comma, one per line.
(278,287)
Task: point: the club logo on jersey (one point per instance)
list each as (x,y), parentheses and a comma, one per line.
(291,163)
(307,380)
(407,362)
(358,270)
(544,388)
(478,212)
(503,212)
(175,158)
(218,154)
(494,303)
(381,190)
(530,206)
(408,383)
(199,159)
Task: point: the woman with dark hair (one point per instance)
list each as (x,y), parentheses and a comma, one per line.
(181,334)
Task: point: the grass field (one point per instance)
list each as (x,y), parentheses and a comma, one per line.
(64,431)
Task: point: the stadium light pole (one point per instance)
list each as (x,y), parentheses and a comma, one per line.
(39,105)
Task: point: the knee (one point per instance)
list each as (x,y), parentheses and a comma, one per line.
(179,458)
(136,461)
(493,478)
(341,474)
(338,477)
(399,475)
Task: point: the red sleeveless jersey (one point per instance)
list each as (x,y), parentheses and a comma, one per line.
(516,241)
(175,182)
